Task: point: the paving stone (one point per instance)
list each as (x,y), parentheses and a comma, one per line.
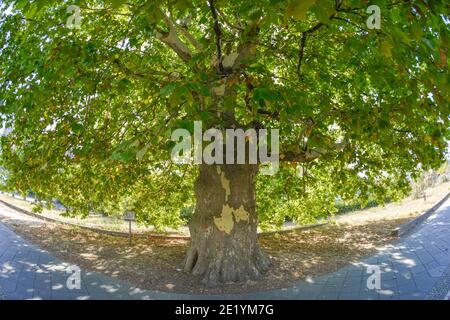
(8,286)
(387,295)
(412,296)
(437,271)
(70,296)
(417,270)
(310,288)
(328,295)
(389,286)
(355,272)
(407,286)
(372,295)
(307,295)
(42,295)
(348,296)
(43,281)
(26,278)
(443,260)
(335,281)
(425,284)
(413,268)
(22,291)
(352,282)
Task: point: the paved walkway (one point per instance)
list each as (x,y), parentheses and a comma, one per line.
(415,267)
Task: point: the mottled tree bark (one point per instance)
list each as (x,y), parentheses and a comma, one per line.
(224,244)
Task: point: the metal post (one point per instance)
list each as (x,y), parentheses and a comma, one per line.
(129,216)
(129,238)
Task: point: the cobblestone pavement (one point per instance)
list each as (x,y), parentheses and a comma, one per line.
(414,267)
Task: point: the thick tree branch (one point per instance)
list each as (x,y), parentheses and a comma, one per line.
(303,44)
(247,48)
(305,156)
(218,33)
(183,28)
(248,94)
(274,115)
(228,23)
(172,39)
(351,23)
(301,53)
(191,38)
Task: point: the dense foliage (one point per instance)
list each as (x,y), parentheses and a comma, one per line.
(89,111)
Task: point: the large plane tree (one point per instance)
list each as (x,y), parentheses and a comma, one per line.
(360,97)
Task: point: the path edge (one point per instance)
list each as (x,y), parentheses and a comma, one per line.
(406,228)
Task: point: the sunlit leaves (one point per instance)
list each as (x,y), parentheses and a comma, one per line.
(115,3)
(323,10)
(91,110)
(299,8)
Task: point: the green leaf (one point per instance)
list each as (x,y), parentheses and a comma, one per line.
(116,3)
(386,47)
(416,30)
(141,153)
(299,8)
(74,115)
(429,43)
(167,89)
(122,156)
(20,4)
(30,10)
(323,10)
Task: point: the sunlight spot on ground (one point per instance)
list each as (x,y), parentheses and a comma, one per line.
(170,286)
(386,292)
(58,286)
(109,288)
(89,256)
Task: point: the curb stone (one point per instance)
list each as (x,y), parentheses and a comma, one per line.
(408,227)
(2,296)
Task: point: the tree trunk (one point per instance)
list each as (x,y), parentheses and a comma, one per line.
(224,243)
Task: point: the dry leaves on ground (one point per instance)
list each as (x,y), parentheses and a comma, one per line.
(156,263)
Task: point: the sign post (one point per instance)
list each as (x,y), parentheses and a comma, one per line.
(129,216)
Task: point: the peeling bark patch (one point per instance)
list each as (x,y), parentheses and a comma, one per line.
(241,214)
(229,60)
(225,184)
(225,222)
(219,91)
(172,39)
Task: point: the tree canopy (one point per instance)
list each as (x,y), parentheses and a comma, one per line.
(89,110)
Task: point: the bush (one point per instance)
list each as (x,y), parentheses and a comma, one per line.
(187,212)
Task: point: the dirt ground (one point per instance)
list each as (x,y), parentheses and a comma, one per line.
(156,263)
